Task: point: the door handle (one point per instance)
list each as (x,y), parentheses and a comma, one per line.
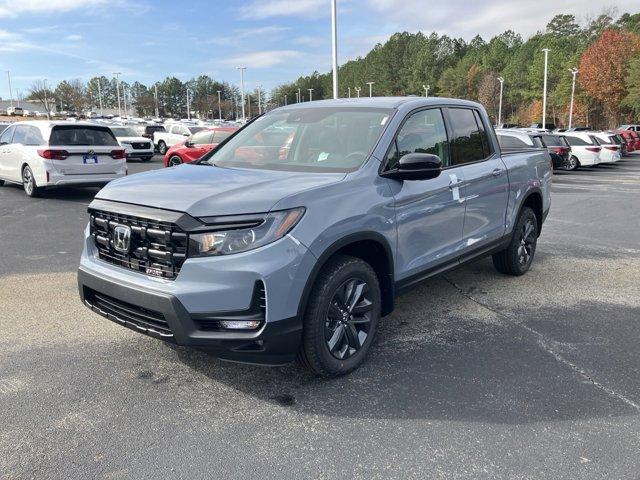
(455,184)
(497,172)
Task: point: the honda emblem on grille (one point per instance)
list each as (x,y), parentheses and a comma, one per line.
(122,238)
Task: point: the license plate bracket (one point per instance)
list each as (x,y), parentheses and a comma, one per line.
(90,159)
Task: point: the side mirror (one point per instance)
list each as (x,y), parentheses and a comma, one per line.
(186,134)
(188,143)
(416,166)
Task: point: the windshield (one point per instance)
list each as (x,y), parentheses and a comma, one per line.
(124,132)
(323,139)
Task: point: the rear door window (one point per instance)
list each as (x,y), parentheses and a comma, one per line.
(468,142)
(77,135)
(34,137)
(20,136)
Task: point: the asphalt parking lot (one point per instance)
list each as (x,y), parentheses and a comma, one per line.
(475,375)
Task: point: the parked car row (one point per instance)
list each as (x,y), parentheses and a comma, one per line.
(572,148)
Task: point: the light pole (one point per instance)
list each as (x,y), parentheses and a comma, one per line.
(188,104)
(10,91)
(124,99)
(310,94)
(426,90)
(370,88)
(544,94)
(155,94)
(285,100)
(242,69)
(299,95)
(334,46)
(358,91)
(219,106)
(349,92)
(117,75)
(46,102)
(501,80)
(99,97)
(259,101)
(574,72)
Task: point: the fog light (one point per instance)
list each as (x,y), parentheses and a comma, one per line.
(240,324)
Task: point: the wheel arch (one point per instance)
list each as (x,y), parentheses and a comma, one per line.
(373,248)
(534,200)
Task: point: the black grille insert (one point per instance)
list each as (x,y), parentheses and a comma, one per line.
(148,321)
(156,248)
(141,146)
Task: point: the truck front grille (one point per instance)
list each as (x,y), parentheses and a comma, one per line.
(155,248)
(141,146)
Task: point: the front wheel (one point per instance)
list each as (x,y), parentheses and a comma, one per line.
(29,183)
(341,318)
(517,258)
(1,183)
(162,148)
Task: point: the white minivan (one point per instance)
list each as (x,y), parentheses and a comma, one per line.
(39,154)
(585,150)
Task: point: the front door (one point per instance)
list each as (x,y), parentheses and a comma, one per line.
(429,213)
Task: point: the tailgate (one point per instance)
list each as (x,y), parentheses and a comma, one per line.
(83,160)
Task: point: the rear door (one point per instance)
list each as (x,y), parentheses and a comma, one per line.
(485,176)
(90,149)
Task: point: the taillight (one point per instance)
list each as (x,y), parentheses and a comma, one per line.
(613,148)
(54,154)
(560,150)
(118,154)
(594,149)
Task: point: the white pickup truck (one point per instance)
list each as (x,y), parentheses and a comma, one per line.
(175,133)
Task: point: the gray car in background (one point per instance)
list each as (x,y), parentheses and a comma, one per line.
(295,236)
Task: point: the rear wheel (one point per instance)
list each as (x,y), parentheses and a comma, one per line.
(341,318)
(572,163)
(162,147)
(29,183)
(517,258)
(174,161)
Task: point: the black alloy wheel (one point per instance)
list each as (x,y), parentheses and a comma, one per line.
(348,318)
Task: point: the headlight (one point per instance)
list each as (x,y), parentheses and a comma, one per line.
(226,242)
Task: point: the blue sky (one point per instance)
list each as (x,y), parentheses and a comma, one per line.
(277,39)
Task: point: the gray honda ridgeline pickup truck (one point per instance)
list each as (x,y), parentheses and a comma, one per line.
(294,237)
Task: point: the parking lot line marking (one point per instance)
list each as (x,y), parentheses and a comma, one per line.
(544,344)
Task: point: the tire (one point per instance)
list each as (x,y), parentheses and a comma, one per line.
(174,161)
(1,183)
(572,164)
(162,147)
(341,317)
(29,183)
(517,258)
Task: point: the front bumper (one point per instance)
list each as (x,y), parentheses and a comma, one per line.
(208,287)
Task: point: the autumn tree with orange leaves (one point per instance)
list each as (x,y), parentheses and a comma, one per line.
(603,68)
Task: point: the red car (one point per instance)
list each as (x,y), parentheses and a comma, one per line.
(197,145)
(629,139)
(636,137)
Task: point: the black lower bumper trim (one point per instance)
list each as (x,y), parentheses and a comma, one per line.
(144,311)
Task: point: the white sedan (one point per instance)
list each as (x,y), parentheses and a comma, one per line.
(39,154)
(135,145)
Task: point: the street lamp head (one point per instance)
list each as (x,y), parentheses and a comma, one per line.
(500,79)
(574,70)
(546,49)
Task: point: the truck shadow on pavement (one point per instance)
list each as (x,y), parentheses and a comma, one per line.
(437,360)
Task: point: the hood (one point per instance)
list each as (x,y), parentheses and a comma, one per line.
(204,191)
